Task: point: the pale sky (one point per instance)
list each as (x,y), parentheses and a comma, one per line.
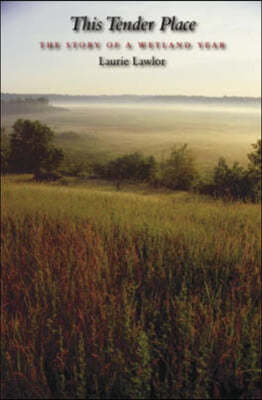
(235,71)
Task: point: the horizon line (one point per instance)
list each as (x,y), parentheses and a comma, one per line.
(131,95)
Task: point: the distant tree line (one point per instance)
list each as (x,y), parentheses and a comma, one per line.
(135,99)
(30,149)
(24,105)
(28,100)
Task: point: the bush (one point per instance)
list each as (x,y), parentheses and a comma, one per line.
(74,167)
(255,170)
(131,167)
(4,152)
(236,182)
(231,182)
(41,176)
(179,171)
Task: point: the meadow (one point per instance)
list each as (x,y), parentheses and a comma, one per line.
(131,294)
(101,132)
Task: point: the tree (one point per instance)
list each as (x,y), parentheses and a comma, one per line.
(233,182)
(4,148)
(255,156)
(255,170)
(237,182)
(179,171)
(131,167)
(31,149)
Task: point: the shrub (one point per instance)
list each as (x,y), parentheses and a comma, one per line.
(179,171)
(130,167)
(47,176)
(255,170)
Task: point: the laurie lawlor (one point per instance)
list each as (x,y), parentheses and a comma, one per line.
(124,62)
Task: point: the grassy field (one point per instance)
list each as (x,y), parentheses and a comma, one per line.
(130,294)
(97,132)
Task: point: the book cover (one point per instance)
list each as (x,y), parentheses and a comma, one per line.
(131,199)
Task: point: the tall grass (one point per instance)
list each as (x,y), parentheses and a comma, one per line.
(116,295)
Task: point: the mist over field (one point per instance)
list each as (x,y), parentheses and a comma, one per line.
(108,129)
(190,106)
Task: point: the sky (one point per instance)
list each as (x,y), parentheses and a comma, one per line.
(234,71)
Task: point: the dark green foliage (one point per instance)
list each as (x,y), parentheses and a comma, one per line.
(54,159)
(255,156)
(236,182)
(75,166)
(47,176)
(4,149)
(31,148)
(179,171)
(255,169)
(131,167)
(231,182)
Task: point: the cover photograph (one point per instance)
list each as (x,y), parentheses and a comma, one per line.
(130,200)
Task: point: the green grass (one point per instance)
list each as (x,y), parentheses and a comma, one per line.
(130,294)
